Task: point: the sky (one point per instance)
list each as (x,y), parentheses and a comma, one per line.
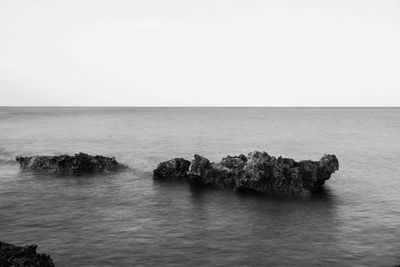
(199,53)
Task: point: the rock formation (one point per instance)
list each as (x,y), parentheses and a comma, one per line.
(173,169)
(16,256)
(257,172)
(65,164)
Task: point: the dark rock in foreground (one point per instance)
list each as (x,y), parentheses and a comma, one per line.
(15,256)
(65,164)
(257,172)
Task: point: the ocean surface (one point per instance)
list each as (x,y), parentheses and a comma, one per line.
(128,219)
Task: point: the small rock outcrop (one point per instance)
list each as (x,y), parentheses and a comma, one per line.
(173,169)
(257,172)
(16,256)
(65,164)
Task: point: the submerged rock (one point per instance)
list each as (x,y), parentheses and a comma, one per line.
(257,172)
(65,164)
(16,256)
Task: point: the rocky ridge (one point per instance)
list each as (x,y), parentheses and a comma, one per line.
(258,171)
(66,164)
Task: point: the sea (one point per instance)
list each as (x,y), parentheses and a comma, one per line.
(129,219)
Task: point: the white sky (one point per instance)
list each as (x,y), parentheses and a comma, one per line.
(200,53)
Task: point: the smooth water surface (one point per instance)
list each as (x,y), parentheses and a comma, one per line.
(127,219)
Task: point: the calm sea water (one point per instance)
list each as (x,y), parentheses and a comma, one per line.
(128,219)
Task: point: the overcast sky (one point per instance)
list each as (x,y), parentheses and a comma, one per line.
(199,53)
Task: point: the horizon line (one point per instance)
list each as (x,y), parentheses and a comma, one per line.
(100,106)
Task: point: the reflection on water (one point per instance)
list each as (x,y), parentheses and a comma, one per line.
(127,218)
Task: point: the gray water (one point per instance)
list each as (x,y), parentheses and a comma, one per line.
(128,219)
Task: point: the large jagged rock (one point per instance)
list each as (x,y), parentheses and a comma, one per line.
(16,256)
(257,172)
(65,164)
